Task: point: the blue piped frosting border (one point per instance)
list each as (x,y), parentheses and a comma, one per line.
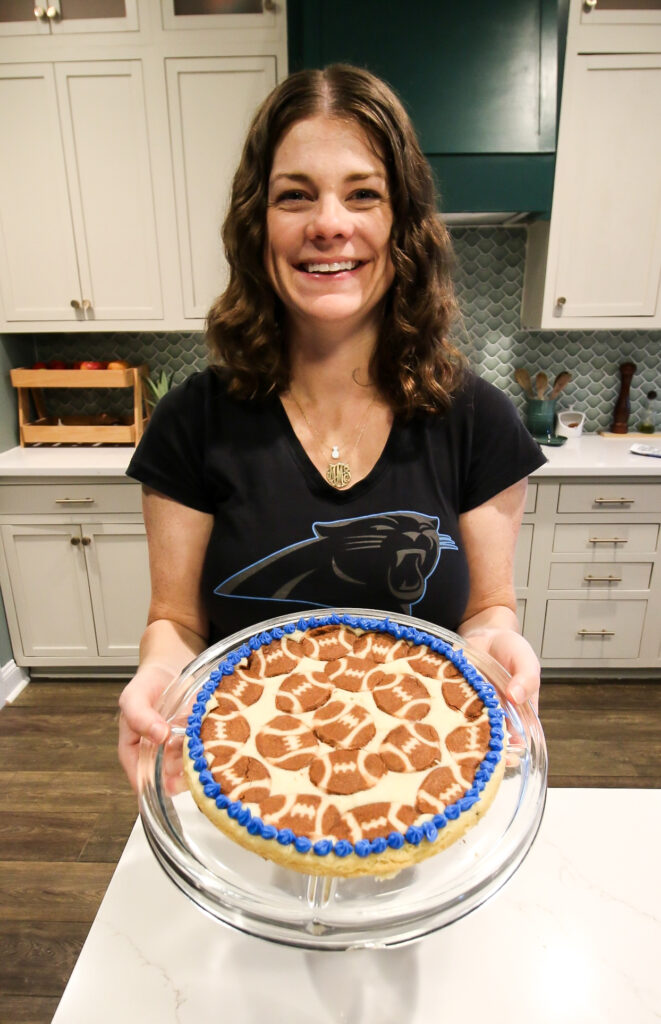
(416,834)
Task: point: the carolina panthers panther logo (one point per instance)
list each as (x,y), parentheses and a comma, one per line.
(381,561)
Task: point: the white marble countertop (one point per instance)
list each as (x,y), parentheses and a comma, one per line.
(573,938)
(589,455)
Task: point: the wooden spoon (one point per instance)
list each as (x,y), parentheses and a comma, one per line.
(522,377)
(541,383)
(560,382)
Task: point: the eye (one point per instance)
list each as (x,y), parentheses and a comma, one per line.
(291,197)
(366,196)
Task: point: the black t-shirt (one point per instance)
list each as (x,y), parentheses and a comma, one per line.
(285,540)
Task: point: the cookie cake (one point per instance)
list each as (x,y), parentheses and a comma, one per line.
(345,745)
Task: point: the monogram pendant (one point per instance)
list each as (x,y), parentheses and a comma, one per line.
(339,475)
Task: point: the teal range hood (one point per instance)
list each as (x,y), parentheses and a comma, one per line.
(479,79)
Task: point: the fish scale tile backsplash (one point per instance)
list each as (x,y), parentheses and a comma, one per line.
(490,265)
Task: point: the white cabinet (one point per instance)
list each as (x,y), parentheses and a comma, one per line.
(598,262)
(75,581)
(76,208)
(62,17)
(211,102)
(121,125)
(593,590)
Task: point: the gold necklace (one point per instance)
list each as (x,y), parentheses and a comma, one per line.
(338,473)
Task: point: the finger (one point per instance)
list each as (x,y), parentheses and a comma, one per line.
(141,716)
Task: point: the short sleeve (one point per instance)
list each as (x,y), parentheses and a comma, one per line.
(170,456)
(501,450)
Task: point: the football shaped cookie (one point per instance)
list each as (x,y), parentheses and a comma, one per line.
(346,746)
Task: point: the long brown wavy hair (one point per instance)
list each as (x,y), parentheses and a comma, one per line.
(414,365)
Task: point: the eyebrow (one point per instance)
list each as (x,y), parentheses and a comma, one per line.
(306,179)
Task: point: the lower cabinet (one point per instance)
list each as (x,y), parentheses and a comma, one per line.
(588,575)
(75,586)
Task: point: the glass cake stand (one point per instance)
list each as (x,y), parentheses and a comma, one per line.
(260,898)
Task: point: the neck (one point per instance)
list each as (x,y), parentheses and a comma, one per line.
(326,372)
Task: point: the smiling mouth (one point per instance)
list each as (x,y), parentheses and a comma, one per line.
(330,268)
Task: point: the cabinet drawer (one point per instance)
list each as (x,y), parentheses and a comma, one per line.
(592,576)
(593,629)
(617,540)
(27,499)
(610,497)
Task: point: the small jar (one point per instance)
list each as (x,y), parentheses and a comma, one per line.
(646,424)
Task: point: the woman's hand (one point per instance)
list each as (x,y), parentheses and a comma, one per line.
(139,718)
(516,656)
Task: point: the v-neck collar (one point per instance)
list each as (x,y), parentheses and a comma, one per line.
(315,480)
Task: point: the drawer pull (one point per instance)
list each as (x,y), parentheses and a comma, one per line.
(614,501)
(596,632)
(602,579)
(87,540)
(74,501)
(75,540)
(607,540)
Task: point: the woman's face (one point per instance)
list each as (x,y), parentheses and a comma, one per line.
(328,225)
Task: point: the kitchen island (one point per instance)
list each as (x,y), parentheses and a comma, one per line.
(573,938)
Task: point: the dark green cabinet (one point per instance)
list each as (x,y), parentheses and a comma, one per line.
(479,80)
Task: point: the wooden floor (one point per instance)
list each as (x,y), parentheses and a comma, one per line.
(66,810)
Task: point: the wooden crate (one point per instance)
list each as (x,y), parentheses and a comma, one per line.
(79,429)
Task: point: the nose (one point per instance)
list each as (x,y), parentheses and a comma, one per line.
(329,219)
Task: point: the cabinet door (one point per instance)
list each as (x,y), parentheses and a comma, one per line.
(105,131)
(94,16)
(220,14)
(22,18)
(605,247)
(38,265)
(49,590)
(118,570)
(61,17)
(211,101)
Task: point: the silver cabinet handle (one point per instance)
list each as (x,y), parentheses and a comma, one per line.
(602,579)
(607,540)
(72,501)
(596,632)
(614,501)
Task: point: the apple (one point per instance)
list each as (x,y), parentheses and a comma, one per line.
(57,364)
(91,364)
(38,366)
(117,364)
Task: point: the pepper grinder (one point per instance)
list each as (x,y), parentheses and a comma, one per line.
(623,406)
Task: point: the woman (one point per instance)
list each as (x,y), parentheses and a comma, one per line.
(339,453)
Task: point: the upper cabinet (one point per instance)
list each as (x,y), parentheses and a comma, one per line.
(76,187)
(598,262)
(118,153)
(479,80)
(61,17)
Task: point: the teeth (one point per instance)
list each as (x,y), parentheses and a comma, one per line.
(330,268)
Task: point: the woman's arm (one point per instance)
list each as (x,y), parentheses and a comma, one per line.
(489,533)
(177,624)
